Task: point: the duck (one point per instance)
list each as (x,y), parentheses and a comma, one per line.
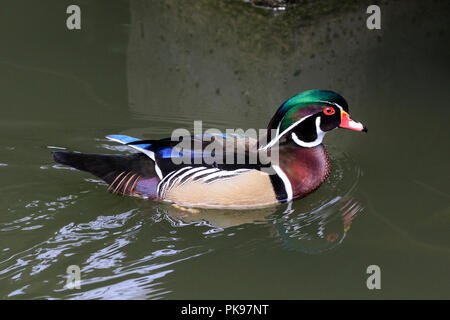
(162,170)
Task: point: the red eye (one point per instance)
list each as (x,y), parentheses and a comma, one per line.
(328,111)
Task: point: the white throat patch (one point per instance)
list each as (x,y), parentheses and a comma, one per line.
(320,135)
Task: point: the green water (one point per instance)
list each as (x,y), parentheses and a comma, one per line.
(144,68)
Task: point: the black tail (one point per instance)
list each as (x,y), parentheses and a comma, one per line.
(119,171)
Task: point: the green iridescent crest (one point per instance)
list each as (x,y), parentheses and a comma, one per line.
(304,104)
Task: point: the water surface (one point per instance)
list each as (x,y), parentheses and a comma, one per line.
(144,68)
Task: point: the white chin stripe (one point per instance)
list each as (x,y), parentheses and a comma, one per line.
(320,135)
(279,135)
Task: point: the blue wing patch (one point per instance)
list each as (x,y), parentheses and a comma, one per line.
(126,139)
(169,153)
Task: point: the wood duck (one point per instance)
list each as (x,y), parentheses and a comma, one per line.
(295,132)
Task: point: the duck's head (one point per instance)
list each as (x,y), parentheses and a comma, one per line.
(308,116)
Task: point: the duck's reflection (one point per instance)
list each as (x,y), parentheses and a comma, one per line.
(298,228)
(221,218)
(319,230)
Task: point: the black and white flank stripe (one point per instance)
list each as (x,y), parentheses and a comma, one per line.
(177,178)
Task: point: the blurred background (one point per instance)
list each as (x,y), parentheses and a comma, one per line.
(145,68)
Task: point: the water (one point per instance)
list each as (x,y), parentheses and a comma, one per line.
(145,68)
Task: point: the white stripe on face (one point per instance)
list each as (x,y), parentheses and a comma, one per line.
(320,135)
(279,136)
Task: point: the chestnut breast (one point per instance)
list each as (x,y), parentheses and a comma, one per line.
(306,168)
